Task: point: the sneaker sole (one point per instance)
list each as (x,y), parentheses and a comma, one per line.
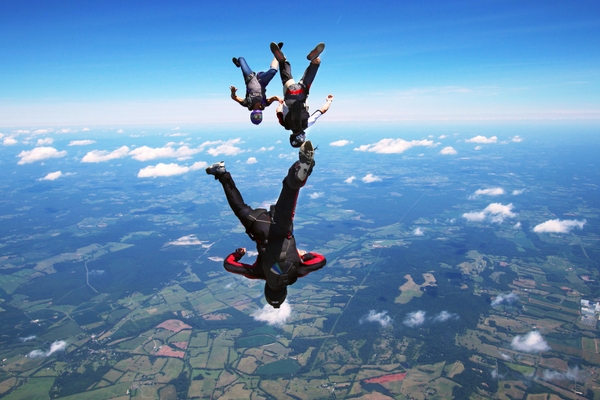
(316,52)
(277,52)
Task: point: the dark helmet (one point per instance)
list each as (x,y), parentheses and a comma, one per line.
(275,297)
(256,117)
(296,139)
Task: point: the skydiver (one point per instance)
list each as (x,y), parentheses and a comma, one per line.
(279,262)
(292,112)
(256,88)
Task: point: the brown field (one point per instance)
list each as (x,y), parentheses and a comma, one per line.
(174,325)
(181,345)
(387,378)
(167,351)
(6,385)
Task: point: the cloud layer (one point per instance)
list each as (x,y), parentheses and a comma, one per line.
(393,146)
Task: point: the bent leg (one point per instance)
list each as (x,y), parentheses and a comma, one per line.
(265,77)
(309,75)
(246,70)
(285,71)
(235,200)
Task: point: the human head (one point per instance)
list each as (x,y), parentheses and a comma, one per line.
(275,297)
(256,117)
(297,138)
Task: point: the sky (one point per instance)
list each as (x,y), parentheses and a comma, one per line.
(116,63)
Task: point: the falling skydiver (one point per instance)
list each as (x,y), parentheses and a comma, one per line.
(292,112)
(279,262)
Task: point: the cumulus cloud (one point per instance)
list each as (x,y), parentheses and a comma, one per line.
(444,316)
(85,129)
(517,139)
(146,153)
(44,142)
(251,160)
(414,319)
(120,131)
(482,139)
(533,342)
(448,150)
(517,192)
(370,178)
(81,142)
(59,345)
(266,148)
(273,316)
(189,240)
(495,213)
(9,141)
(572,374)
(316,195)
(418,232)
(161,169)
(559,226)
(96,156)
(350,180)
(219,147)
(378,317)
(487,192)
(39,154)
(496,375)
(508,298)
(27,338)
(41,131)
(393,146)
(340,143)
(52,176)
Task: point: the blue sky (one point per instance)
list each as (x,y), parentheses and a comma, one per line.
(79,63)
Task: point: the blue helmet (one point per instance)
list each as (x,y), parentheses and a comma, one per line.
(256,117)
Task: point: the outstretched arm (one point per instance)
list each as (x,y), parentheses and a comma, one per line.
(273,99)
(327,104)
(233,265)
(234,97)
(280,112)
(310,262)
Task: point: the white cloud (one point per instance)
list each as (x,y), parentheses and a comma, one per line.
(96,156)
(44,142)
(120,131)
(393,146)
(378,317)
(227,148)
(508,298)
(495,212)
(350,180)
(559,226)
(448,150)
(81,142)
(533,342)
(251,160)
(418,232)
(482,139)
(487,192)
(189,240)
(415,318)
(517,192)
(517,225)
(27,338)
(9,141)
(52,176)
(146,153)
(370,178)
(96,272)
(273,316)
(59,345)
(316,195)
(340,143)
(444,316)
(266,148)
(443,136)
(41,131)
(40,153)
(85,129)
(572,374)
(66,130)
(162,169)
(517,139)
(478,148)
